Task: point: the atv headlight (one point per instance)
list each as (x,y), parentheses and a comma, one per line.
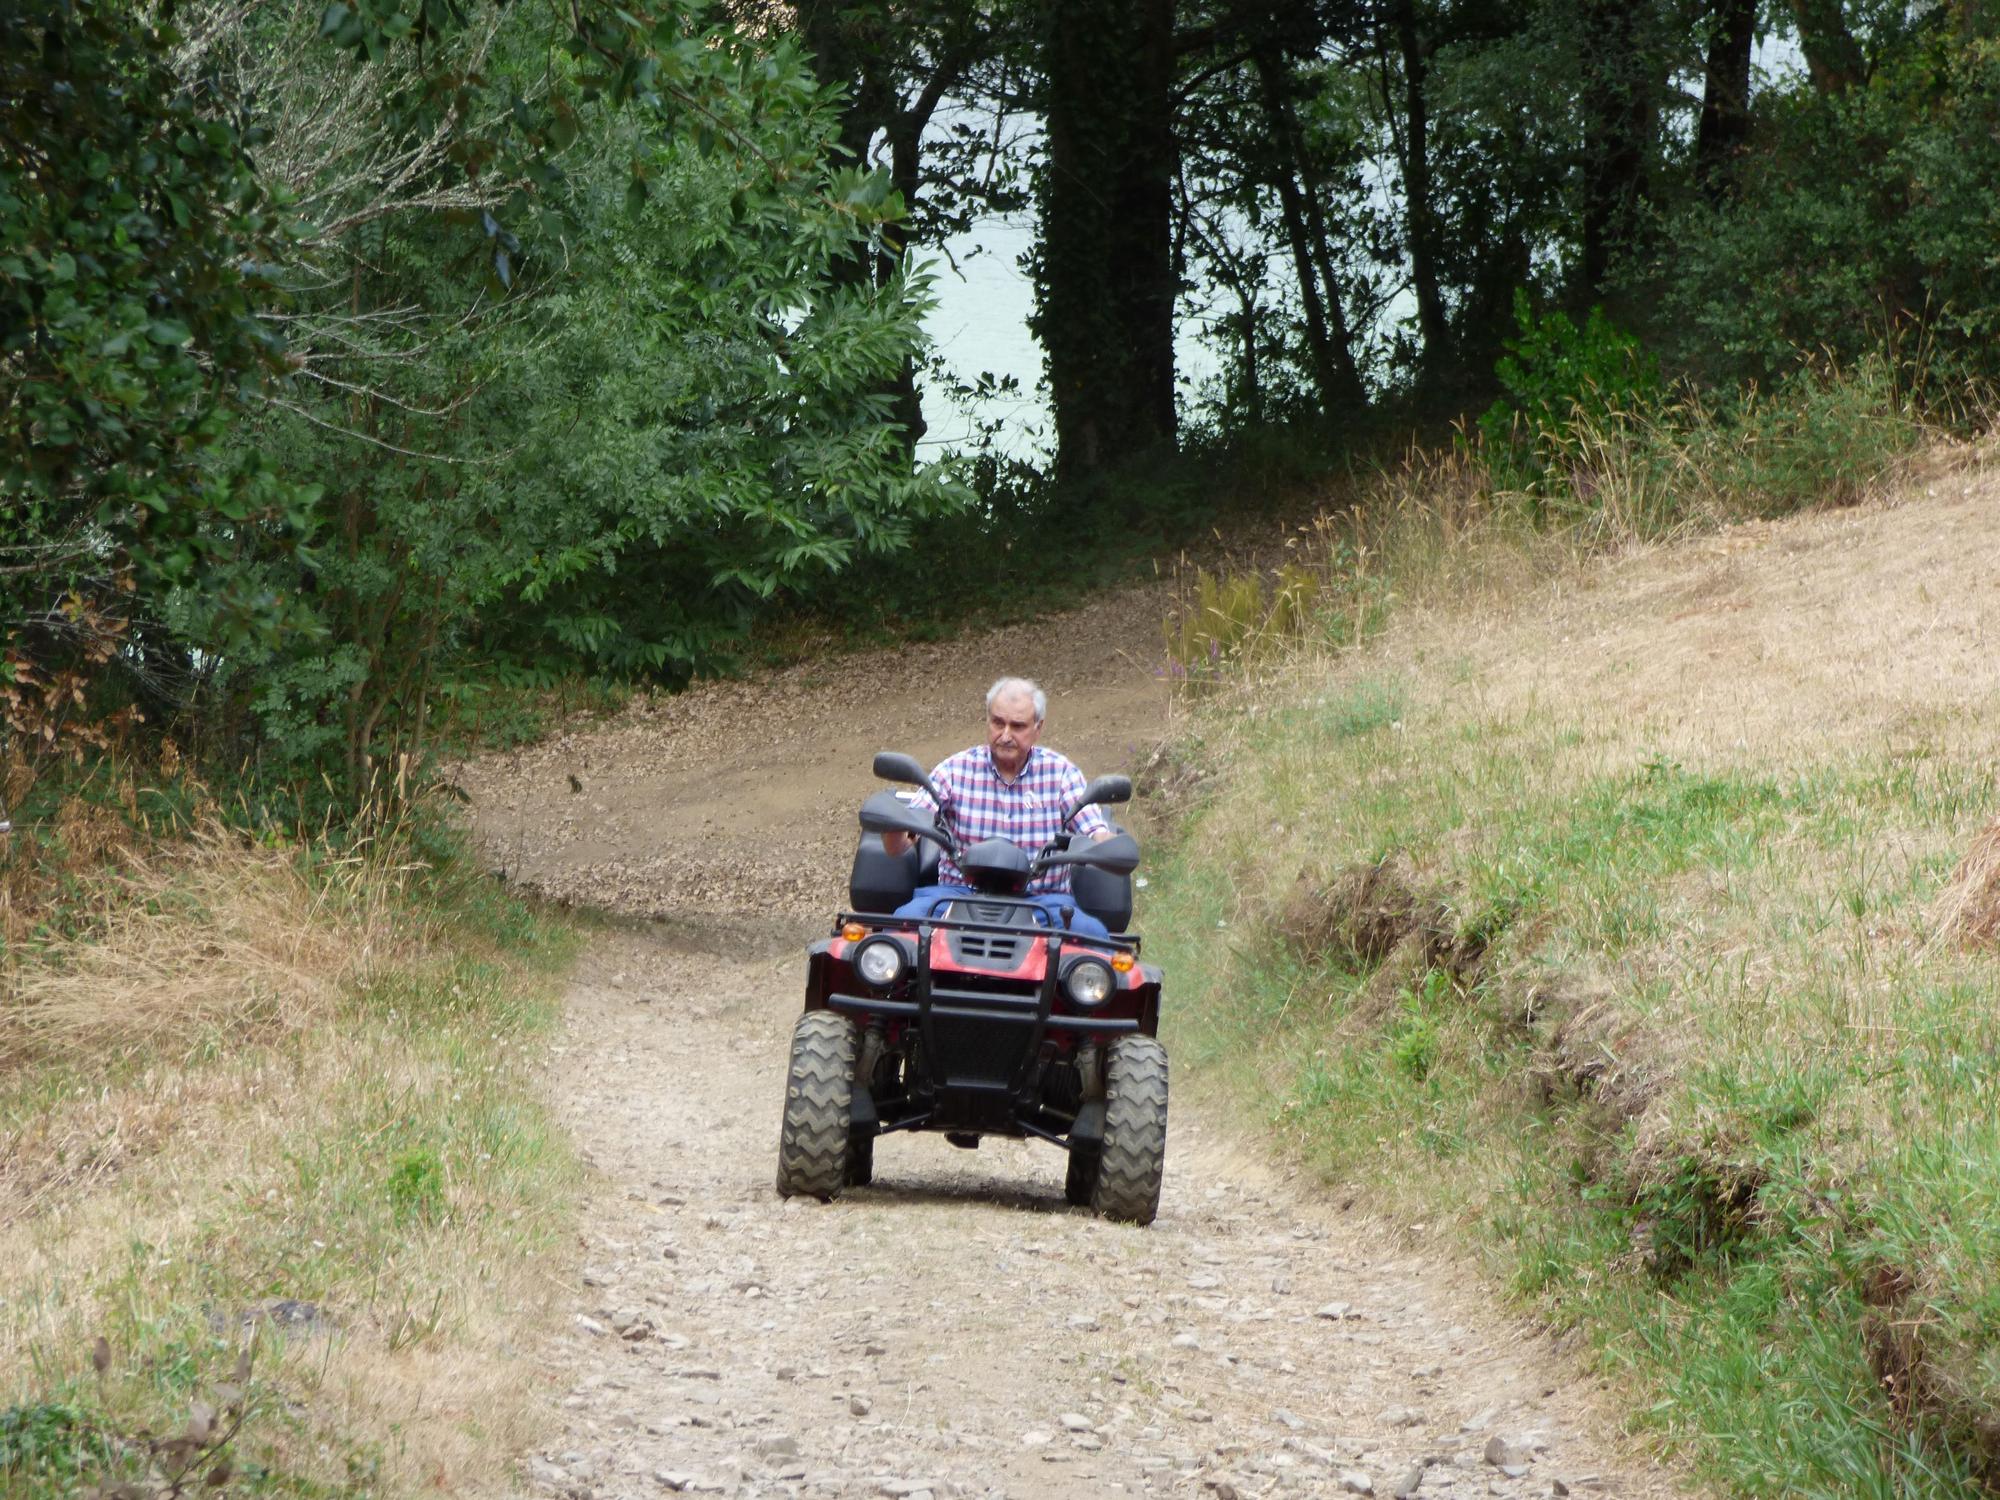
(879,961)
(1089,981)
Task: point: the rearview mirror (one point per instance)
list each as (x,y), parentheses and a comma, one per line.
(1104,789)
(893,765)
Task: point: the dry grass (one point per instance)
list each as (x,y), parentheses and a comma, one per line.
(205,1092)
(180,944)
(418,1364)
(1969,909)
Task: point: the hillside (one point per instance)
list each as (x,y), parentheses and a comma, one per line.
(1611,924)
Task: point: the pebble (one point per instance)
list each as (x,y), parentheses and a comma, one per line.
(1354,1482)
(1400,1416)
(1076,1421)
(859,1406)
(1503,1454)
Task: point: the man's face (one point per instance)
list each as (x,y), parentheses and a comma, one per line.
(1011,731)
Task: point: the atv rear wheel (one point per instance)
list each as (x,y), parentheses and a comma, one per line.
(814,1143)
(1134,1153)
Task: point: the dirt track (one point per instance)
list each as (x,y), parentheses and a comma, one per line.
(955,1329)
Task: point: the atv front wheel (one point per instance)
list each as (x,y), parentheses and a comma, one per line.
(814,1142)
(1134,1153)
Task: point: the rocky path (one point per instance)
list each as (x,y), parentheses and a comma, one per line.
(956,1329)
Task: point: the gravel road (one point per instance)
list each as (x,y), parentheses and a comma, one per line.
(955,1329)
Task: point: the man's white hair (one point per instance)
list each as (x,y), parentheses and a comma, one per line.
(1009,685)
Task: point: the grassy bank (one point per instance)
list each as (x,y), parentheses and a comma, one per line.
(1620,918)
(277,1193)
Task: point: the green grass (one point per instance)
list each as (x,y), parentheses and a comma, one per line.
(1707,1094)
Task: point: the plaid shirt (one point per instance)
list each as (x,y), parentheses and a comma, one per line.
(1027,810)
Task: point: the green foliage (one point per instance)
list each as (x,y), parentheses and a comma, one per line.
(47,1442)
(1554,371)
(550,367)
(1559,378)
(138,247)
(416,1187)
(1862,223)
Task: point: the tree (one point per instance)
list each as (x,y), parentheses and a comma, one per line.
(1105,280)
(488,204)
(1724,130)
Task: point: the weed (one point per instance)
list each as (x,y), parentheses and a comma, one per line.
(416,1188)
(1413,1042)
(49,1442)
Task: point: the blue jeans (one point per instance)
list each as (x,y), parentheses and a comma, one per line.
(1080,922)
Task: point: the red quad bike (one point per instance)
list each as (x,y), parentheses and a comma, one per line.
(981,1018)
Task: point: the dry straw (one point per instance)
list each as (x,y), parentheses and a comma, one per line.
(1969,906)
(212,937)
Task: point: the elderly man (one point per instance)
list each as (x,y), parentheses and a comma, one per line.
(1012,788)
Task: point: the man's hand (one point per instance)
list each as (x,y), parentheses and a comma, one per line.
(1101,835)
(896,842)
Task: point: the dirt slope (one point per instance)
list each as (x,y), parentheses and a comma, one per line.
(1877,626)
(956,1329)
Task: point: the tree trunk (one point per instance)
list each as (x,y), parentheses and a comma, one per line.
(1833,56)
(1619,109)
(829,30)
(1425,279)
(906,134)
(1725,98)
(1327,337)
(1105,279)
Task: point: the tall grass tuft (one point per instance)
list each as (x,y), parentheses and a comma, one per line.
(1507,500)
